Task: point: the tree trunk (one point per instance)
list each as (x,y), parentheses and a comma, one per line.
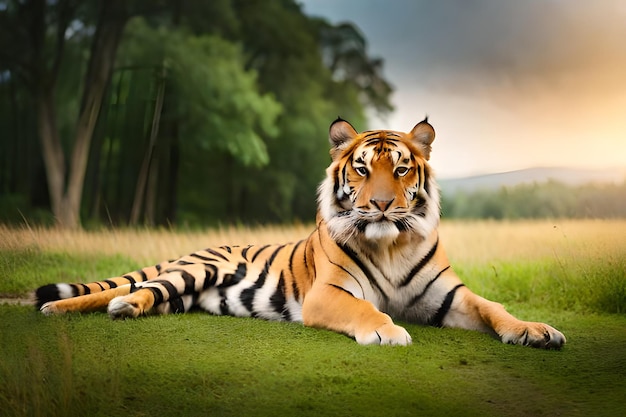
(65,196)
(142,180)
(53,156)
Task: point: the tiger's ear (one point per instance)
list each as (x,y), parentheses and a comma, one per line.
(340,134)
(423,134)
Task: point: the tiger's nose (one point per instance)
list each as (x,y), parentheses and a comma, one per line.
(382,205)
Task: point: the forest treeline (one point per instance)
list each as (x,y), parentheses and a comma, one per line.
(161,112)
(551,199)
(192,112)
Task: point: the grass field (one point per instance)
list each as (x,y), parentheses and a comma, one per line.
(570,274)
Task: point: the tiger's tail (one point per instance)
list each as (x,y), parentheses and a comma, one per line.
(62,291)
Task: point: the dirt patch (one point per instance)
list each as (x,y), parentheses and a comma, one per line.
(17,301)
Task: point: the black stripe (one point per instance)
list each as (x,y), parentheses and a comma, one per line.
(86,289)
(349,273)
(224,310)
(240,273)
(343,179)
(111,284)
(306,251)
(421,264)
(278,299)
(420,204)
(100,285)
(353,256)
(143,275)
(341,266)
(210,276)
(293,253)
(190,282)
(427,180)
(194,299)
(270,261)
(203,258)
(247,295)
(244,252)
(216,253)
(437,319)
(234,279)
(130,279)
(342,289)
(401,225)
(158,294)
(169,287)
(261,249)
(294,283)
(415,299)
(361,224)
(183,263)
(176,305)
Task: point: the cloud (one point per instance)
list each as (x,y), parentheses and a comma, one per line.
(469,45)
(534,82)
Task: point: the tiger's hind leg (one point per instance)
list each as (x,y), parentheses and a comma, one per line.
(122,307)
(85,303)
(172,291)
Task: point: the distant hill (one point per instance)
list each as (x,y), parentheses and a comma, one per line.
(569,176)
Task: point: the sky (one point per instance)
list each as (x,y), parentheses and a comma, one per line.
(507,84)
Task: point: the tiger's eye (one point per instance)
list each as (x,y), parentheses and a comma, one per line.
(362,171)
(402,171)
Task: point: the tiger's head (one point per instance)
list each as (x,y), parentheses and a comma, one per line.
(379,187)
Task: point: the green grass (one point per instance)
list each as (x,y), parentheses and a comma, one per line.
(197,364)
(23,270)
(582,285)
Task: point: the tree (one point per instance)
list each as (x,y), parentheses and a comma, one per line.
(202,96)
(344,50)
(209,101)
(42,30)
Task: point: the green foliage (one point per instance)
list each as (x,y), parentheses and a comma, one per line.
(539,201)
(282,45)
(222,108)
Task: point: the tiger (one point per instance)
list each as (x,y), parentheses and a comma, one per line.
(374,256)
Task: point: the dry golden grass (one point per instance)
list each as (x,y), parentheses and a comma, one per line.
(146,246)
(483,241)
(466,242)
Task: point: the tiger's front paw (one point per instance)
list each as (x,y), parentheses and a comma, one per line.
(387,334)
(538,335)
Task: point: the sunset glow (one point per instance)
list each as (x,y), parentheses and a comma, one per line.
(508,85)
